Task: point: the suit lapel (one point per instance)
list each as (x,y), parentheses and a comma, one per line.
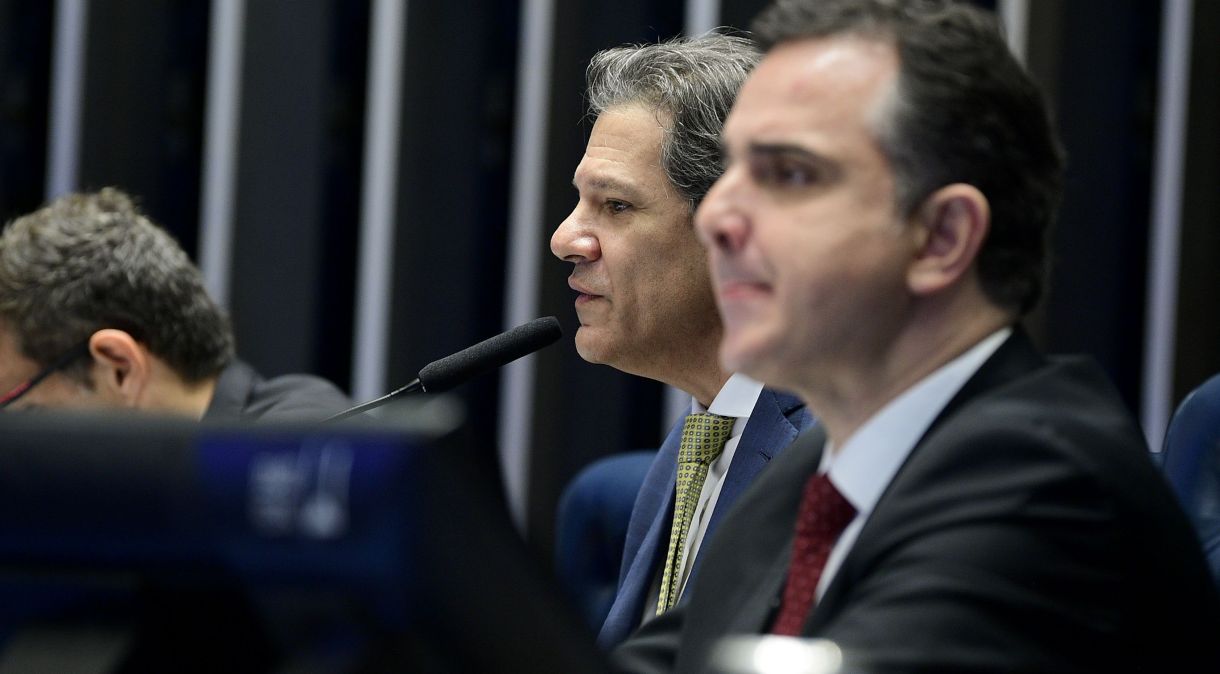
(774,424)
(767,433)
(644,566)
(770,569)
(1015,357)
(640,559)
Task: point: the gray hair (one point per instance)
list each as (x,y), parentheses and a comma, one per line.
(92,261)
(691,83)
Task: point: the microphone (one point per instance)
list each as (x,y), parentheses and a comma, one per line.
(444,374)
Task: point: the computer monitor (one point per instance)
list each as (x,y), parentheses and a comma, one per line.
(201,547)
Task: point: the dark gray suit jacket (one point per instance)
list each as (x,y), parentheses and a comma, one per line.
(1026,532)
(241,393)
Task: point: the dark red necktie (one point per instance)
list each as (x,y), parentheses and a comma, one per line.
(822,516)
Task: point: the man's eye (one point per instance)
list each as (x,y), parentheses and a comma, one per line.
(783,173)
(614,206)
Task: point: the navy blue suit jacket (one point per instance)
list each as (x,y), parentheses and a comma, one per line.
(775,422)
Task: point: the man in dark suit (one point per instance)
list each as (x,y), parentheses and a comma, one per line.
(645,301)
(965,504)
(101,309)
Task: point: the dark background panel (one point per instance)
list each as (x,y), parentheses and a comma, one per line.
(1104,96)
(453,203)
(25,64)
(1198,348)
(296,215)
(740,13)
(144,97)
(342,152)
(277,216)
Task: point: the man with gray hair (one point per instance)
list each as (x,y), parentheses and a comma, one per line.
(101,309)
(645,303)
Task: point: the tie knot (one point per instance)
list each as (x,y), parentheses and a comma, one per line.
(824,511)
(703,437)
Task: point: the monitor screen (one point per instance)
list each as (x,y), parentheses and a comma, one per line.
(161,545)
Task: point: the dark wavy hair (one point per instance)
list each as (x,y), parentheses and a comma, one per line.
(91,261)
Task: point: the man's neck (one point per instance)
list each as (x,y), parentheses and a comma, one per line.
(845,398)
(169,394)
(712,391)
(694,370)
(703,385)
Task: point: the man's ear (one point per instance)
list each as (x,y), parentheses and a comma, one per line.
(953,222)
(120,365)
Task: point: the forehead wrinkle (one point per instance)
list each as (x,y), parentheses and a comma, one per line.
(600,182)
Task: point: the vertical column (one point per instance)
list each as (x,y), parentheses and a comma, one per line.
(701,16)
(378,198)
(67,88)
(220,146)
(1163,250)
(525,230)
(1014,15)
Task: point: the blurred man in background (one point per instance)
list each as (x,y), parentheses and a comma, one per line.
(645,302)
(965,504)
(100,309)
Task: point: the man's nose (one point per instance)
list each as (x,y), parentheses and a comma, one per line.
(573,241)
(721,222)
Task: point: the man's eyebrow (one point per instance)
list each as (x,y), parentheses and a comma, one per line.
(787,149)
(604,184)
(767,149)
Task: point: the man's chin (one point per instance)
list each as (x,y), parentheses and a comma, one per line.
(747,355)
(592,347)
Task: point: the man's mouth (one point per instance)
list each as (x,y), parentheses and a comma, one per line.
(584,294)
(734,289)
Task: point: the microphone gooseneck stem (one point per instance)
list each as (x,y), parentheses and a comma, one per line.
(378,402)
(444,374)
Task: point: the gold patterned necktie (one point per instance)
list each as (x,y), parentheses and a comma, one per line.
(703,438)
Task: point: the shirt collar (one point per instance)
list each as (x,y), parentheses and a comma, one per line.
(736,398)
(872,455)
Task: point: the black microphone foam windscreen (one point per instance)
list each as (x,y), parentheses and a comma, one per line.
(505,347)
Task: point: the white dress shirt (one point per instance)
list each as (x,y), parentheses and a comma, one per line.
(736,399)
(864,466)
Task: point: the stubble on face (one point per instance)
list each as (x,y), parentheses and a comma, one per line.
(645,305)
